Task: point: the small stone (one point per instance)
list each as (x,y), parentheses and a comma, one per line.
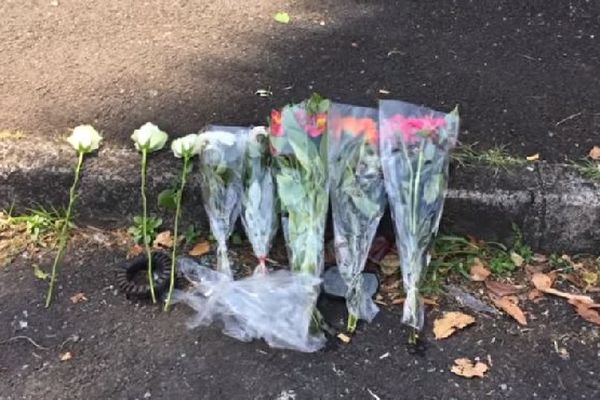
(147,395)
(503,387)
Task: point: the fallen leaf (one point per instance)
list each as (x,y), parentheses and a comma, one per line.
(135,251)
(469,369)
(200,249)
(479,272)
(163,240)
(539,258)
(586,311)
(39,273)
(344,338)
(543,283)
(508,304)
(66,356)
(516,259)
(450,322)
(390,264)
(282,17)
(533,157)
(535,295)
(78,298)
(591,278)
(501,289)
(426,301)
(595,153)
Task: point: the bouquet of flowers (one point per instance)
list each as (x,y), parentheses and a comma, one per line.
(259,215)
(221,171)
(300,154)
(415,144)
(357,199)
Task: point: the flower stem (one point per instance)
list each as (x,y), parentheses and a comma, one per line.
(64,231)
(416,190)
(186,161)
(352,321)
(145,225)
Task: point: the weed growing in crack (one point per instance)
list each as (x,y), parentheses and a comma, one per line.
(496,157)
(588,168)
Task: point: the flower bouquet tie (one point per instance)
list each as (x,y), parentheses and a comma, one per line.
(415,144)
(221,169)
(357,199)
(259,215)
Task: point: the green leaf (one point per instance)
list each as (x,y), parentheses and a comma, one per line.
(168,199)
(291,192)
(432,188)
(39,273)
(282,17)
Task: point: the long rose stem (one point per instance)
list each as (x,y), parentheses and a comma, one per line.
(64,232)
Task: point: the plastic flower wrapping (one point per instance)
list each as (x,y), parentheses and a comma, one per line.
(415,144)
(357,199)
(299,150)
(276,307)
(259,214)
(221,170)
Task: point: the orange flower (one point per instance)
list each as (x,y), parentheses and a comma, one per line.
(356,127)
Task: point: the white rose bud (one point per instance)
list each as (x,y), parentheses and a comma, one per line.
(149,137)
(186,146)
(85,139)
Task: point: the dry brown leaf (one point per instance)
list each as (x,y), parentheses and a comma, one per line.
(200,249)
(78,298)
(66,356)
(595,153)
(135,251)
(426,301)
(508,304)
(586,311)
(163,240)
(501,289)
(543,283)
(535,295)
(469,369)
(479,272)
(450,322)
(533,157)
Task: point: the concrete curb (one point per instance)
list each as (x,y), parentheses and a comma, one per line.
(555,207)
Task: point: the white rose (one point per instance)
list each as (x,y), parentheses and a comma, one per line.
(85,138)
(149,137)
(186,146)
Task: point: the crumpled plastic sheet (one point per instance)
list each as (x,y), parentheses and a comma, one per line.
(277,307)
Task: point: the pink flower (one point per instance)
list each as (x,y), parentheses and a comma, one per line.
(412,127)
(313,124)
(276,128)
